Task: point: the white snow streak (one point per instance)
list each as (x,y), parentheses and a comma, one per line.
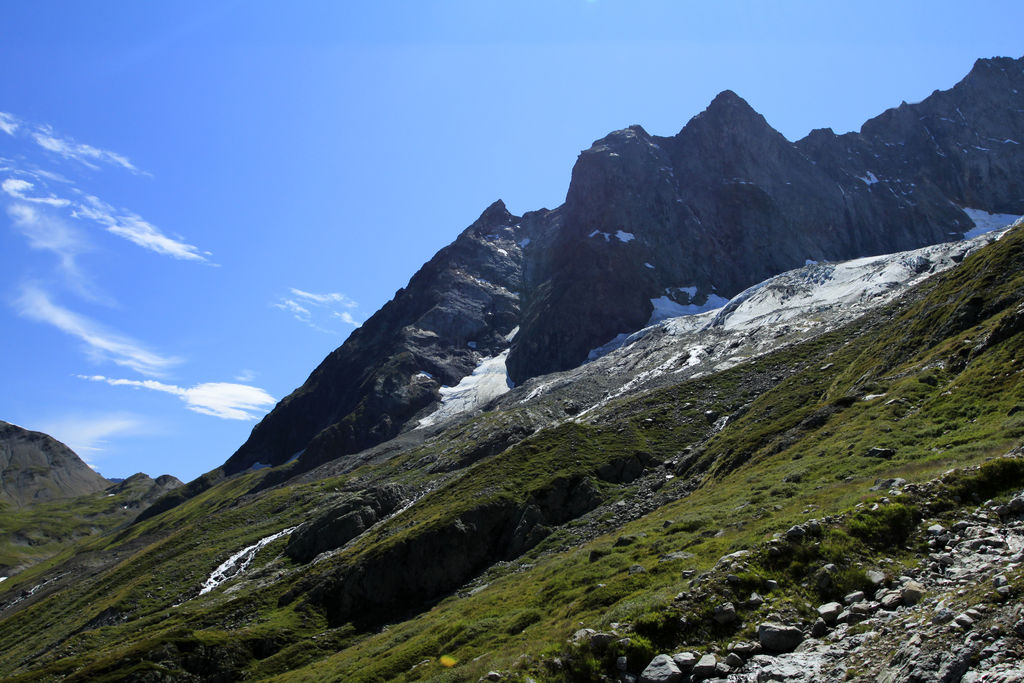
(869,180)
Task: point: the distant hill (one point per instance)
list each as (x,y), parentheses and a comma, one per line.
(35,467)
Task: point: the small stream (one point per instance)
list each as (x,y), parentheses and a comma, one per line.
(239,562)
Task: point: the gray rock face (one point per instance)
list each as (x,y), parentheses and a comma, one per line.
(35,467)
(778,637)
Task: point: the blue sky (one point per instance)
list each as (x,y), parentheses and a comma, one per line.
(200,200)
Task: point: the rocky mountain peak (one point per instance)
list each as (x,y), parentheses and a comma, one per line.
(495,214)
(729,116)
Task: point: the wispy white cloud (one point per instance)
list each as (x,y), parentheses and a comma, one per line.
(16,187)
(86,155)
(100,344)
(347,318)
(82,205)
(300,312)
(312,307)
(245,376)
(135,229)
(47,232)
(325,299)
(87,435)
(8,123)
(225,400)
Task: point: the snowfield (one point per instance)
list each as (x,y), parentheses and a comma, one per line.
(489,380)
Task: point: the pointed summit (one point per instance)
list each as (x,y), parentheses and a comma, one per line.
(731,113)
(495,213)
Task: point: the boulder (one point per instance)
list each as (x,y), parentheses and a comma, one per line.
(912,593)
(662,669)
(685,661)
(891,600)
(875,577)
(582,636)
(830,611)
(705,667)
(778,637)
(745,649)
(725,613)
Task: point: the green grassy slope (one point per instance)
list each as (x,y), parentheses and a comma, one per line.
(933,380)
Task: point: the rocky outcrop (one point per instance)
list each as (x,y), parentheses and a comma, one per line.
(35,467)
(421,567)
(339,523)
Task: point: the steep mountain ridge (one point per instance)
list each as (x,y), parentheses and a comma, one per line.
(35,467)
(689,220)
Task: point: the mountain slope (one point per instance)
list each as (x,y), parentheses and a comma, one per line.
(35,467)
(686,220)
(494,560)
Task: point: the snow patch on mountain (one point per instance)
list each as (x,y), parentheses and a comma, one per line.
(986,222)
(488,381)
(620,235)
(665,307)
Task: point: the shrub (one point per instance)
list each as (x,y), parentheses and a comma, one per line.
(886,526)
